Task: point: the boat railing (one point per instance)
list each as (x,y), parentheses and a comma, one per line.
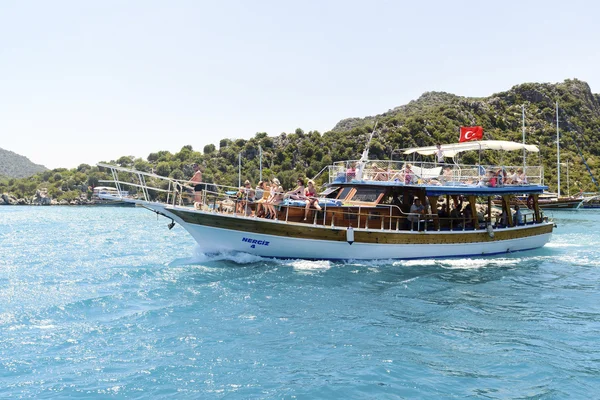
(428,173)
(237,202)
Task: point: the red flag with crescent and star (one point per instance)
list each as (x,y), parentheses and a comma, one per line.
(468,133)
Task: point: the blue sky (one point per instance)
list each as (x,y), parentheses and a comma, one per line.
(90,81)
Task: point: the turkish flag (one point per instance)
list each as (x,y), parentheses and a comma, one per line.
(468,133)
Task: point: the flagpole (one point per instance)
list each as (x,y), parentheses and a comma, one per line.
(557,150)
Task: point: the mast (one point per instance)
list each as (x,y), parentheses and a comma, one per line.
(239,169)
(260,163)
(524,138)
(557,151)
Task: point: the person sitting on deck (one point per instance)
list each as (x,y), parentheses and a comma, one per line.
(512,177)
(313,201)
(409,175)
(443,211)
(521,177)
(447,176)
(350,173)
(262,194)
(245,196)
(456,215)
(468,217)
(492,181)
(275,198)
(501,176)
(380,174)
(417,210)
(298,193)
(517,216)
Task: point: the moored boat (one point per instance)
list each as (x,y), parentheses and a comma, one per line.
(369,210)
(591,201)
(110,196)
(547,201)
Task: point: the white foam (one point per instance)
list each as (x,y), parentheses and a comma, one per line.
(200,257)
(476,263)
(307,266)
(560,245)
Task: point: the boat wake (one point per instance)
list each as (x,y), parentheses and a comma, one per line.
(200,256)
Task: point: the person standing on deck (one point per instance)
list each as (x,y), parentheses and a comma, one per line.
(439,154)
(196,181)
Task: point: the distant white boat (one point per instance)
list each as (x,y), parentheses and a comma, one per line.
(110,196)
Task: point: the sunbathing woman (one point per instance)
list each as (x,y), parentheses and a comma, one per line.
(298,193)
(311,194)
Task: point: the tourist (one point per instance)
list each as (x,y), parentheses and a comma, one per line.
(439,154)
(275,198)
(409,175)
(447,176)
(196,181)
(512,177)
(299,192)
(379,174)
(517,216)
(350,172)
(521,177)
(417,210)
(456,216)
(313,201)
(265,193)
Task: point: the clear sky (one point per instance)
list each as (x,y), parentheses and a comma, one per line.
(90,81)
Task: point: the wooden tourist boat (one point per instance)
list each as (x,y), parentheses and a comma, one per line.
(365,213)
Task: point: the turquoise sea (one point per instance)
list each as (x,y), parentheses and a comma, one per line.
(109,303)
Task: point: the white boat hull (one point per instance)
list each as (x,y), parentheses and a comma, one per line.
(216,239)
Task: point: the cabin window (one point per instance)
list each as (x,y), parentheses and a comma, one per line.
(344,192)
(367,195)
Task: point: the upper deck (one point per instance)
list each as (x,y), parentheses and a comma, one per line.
(444,178)
(438,178)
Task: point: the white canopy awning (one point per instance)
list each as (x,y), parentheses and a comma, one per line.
(450,150)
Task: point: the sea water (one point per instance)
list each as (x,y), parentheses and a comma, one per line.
(108,302)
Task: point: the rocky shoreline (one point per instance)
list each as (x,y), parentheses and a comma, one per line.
(42,199)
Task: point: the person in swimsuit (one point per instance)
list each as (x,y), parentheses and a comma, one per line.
(311,194)
(196,181)
(275,198)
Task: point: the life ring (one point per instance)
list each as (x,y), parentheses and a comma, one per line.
(530,202)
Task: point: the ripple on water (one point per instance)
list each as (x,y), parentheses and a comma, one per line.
(109,303)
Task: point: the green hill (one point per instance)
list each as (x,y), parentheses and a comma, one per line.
(434,117)
(13,165)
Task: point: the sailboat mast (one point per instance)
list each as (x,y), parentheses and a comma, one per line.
(524,138)
(557,151)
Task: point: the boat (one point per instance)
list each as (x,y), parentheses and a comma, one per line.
(554,201)
(546,201)
(111,197)
(365,211)
(591,201)
(551,201)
